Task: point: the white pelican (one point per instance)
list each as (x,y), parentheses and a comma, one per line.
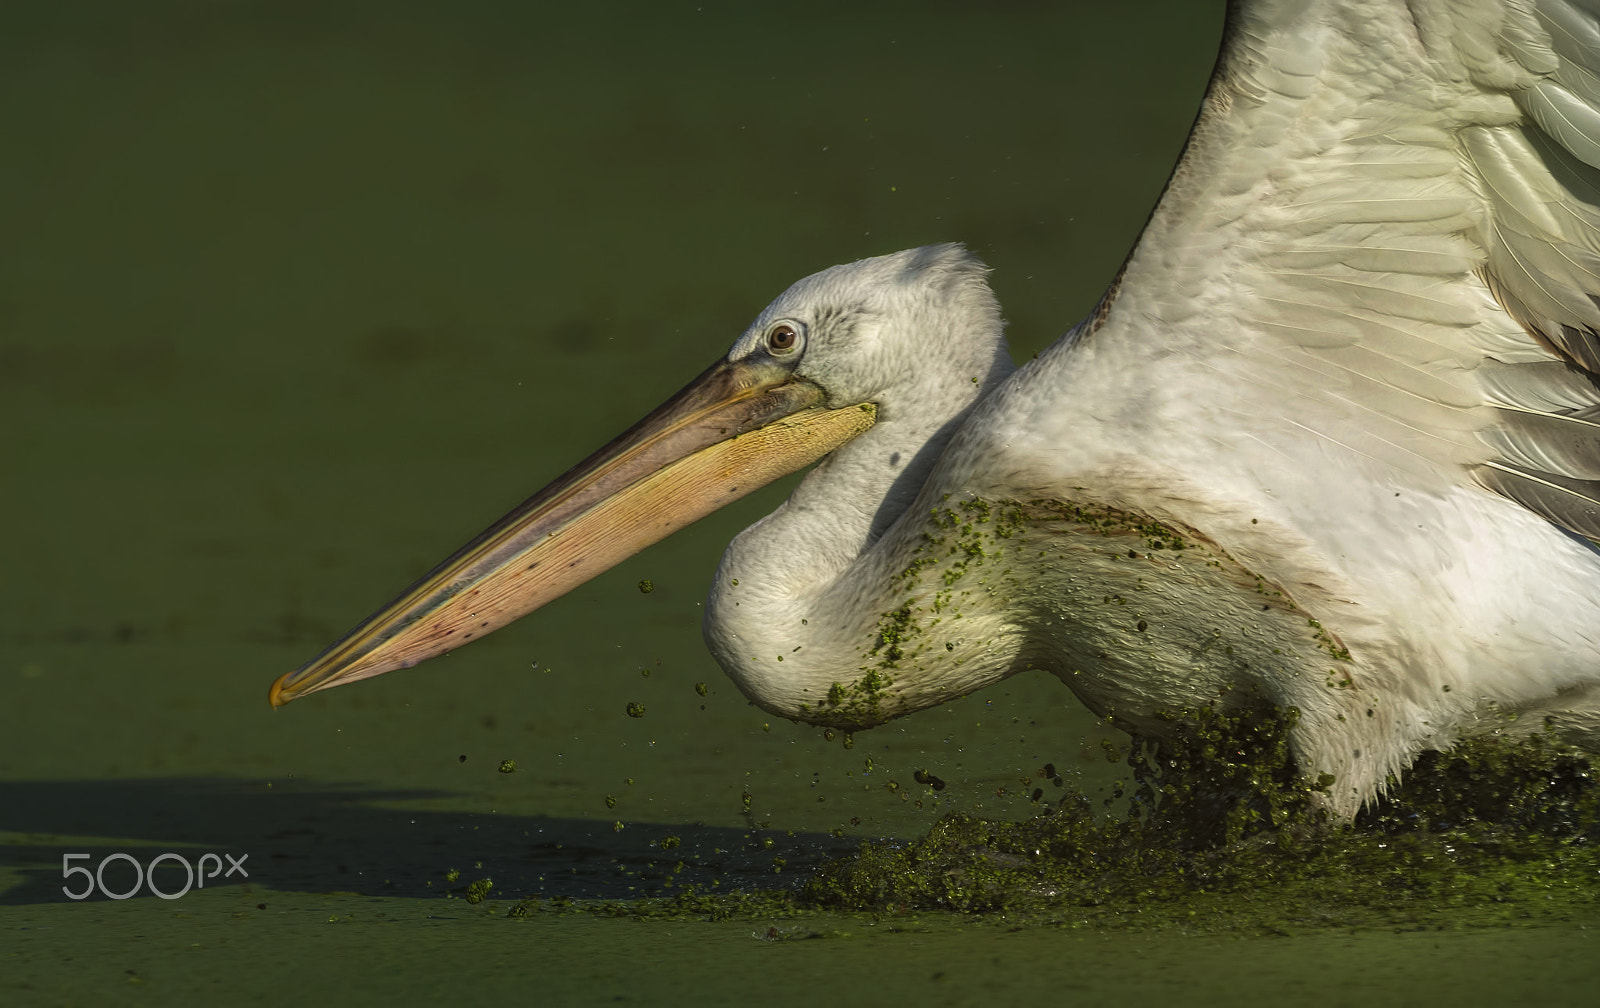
(1326,443)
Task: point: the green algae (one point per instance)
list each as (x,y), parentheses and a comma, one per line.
(1217,830)
(1220,832)
(959,540)
(974,547)
(690,904)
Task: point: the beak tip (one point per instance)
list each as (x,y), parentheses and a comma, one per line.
(279,694)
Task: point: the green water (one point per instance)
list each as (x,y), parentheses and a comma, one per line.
(296,297)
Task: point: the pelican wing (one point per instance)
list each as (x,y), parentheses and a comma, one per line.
(1391,214)
(1541,180)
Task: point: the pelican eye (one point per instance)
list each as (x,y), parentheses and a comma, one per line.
(782,338)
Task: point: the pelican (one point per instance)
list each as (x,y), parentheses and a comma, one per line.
(1328,442)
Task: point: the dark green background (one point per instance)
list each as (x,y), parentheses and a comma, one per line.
(296,297)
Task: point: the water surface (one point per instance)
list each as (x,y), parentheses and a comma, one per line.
(296,297)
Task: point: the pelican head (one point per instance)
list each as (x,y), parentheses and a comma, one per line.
(876,361)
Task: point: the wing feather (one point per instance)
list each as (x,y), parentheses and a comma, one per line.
(1542,179)
(1572,504)
(1394,209)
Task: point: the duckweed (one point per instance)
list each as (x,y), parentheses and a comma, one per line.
(1219,830)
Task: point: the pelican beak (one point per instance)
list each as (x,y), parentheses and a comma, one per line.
(737,427)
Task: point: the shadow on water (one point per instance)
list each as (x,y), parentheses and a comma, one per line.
(321,838)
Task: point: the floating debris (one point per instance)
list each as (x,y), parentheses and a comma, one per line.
(1220,827)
